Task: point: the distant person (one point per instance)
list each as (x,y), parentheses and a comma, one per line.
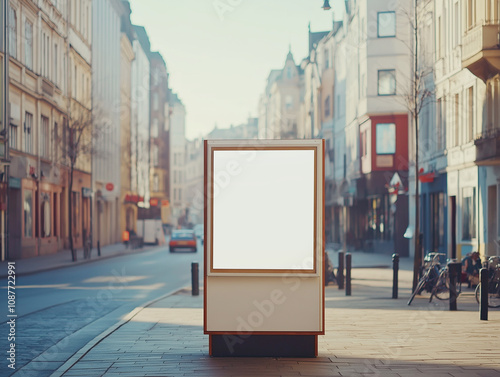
(471,265)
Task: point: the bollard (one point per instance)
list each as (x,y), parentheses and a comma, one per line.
(483,276)
(454,271)
(348,260)
(195,286)
(395,271)
(340,271)
(98,248)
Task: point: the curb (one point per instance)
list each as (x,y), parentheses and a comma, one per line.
(83,261)
(99,338)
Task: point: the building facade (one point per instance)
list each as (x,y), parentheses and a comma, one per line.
(140,131)
(49,92)
(159,141)
(178,204)
(279,106)
(106,99)
(128,198)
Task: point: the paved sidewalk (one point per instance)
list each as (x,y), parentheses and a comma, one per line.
(367,334)
(63,259)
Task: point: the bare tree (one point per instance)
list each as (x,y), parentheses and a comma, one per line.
(77,143)
(416,95)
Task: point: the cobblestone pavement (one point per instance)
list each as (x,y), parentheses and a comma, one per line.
(41,343)
(367,334)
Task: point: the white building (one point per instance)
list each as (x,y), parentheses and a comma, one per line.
(368,135)
(461,203)
(106,59)
(193,183)
(279,106)
(178,203)
(140,117)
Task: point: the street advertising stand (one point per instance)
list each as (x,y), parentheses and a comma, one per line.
(264,247)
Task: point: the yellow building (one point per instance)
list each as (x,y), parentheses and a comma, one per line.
(47,79)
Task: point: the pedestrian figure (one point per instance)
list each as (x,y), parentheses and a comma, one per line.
(471,265)
(126,237)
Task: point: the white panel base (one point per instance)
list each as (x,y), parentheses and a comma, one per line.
(273,304)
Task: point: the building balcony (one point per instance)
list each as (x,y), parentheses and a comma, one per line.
(488,147)
(481,50)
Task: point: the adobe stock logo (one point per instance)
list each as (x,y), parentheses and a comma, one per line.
(223,6)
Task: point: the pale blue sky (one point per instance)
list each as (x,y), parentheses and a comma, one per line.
(218,60)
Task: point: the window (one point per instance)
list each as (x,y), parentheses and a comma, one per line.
(44,138)
(55,146)
(28,46)
(456,133)
(289,73)
(28,133)
(386,24)
(156,183)
(28,213)
(46,54)
(64,138)
(440,124)
(156,154)
(155,101)
(13,136)
(47,57)
(386,138)
(471,13)
(327,59)
(456,24)
(327,106)
(156,76)
(12,33)
(288,102)
(437,220)
(387,82)
(439,39)
(154,128)
(56,73)
(468,213)
(470,114)
(492,103)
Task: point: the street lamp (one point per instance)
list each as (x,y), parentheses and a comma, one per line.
(326,5)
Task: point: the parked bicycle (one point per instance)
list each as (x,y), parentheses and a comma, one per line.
(441,289)
(430,274)
(493,283)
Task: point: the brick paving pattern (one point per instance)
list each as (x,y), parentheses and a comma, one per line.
(368,334)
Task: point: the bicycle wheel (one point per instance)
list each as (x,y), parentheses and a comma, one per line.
(418,289)
(442,288)
(494,295)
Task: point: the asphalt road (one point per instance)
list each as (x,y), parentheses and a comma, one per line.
(60,311)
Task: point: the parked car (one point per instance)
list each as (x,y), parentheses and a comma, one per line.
(182,239)
(199,232)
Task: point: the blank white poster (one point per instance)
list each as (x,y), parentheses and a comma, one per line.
(263,209)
